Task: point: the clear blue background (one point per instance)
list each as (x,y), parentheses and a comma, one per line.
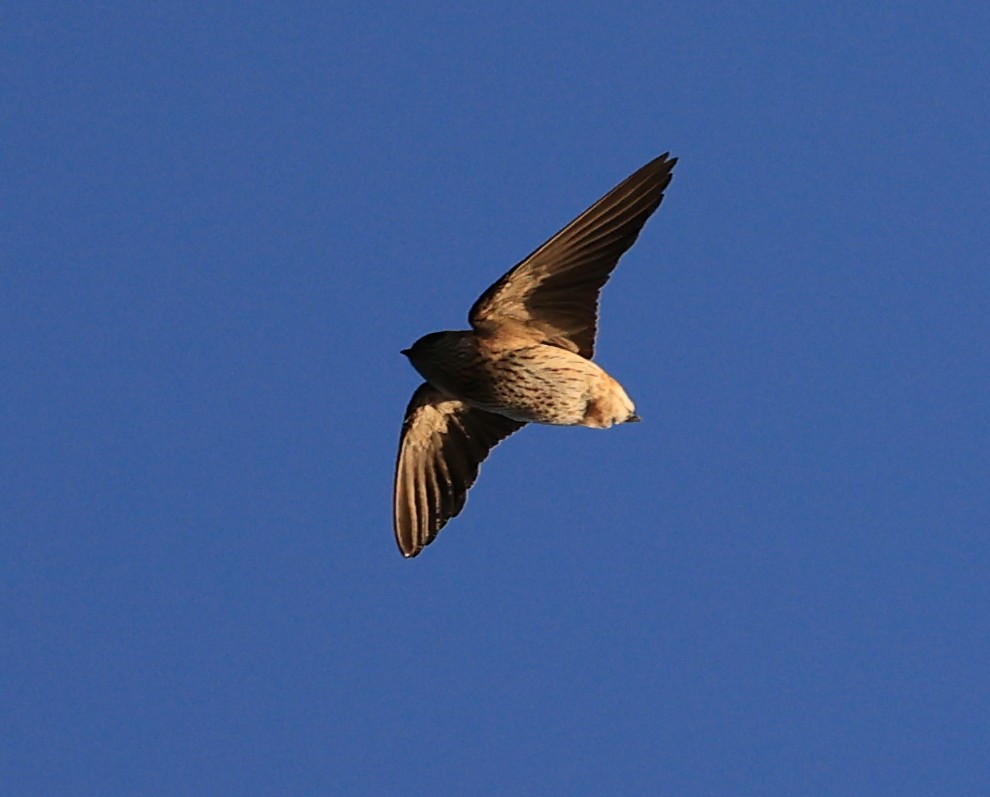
(221,223)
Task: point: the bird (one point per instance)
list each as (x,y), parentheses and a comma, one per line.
(525,359)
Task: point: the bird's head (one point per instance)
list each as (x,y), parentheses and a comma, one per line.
(432,344)
(437,352)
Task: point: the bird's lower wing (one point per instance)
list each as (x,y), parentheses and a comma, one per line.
(443,443)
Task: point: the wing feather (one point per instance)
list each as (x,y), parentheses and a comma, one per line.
(552,295)
(443,443)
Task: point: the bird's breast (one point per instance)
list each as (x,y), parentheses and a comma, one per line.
(536,384)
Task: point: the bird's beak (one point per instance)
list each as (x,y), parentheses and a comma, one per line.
(406,352)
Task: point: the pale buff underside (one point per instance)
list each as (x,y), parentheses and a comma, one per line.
(537,384)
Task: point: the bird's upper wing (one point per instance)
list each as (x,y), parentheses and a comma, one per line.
(552,295)
(442,444)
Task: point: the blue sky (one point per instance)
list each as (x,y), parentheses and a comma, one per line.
(222,223)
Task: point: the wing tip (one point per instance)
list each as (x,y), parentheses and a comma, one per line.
(663,164)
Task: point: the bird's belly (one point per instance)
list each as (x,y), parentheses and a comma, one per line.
(540,384)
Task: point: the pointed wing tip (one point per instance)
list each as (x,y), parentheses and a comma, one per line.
(407,548)
(407,541)
(663,163)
